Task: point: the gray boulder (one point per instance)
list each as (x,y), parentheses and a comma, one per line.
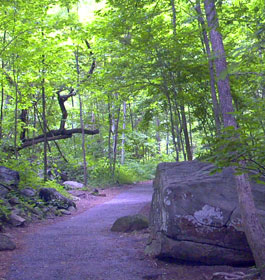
(130,223)
(15,220)
(53,197)
(9,180)
(71,185)
(29,192)
(6,243)
(194,216)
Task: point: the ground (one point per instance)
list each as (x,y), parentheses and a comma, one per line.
(71,249)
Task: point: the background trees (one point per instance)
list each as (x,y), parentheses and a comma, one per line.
(152,58)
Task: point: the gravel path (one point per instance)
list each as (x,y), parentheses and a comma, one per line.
(83,247)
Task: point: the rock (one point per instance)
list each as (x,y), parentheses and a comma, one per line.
(6,243)
(71,209)
(65,212)
(73,185)
(130,223)
(3,191)
(14,200)
(29,192)
(55,198)
(16,220)
(37,211)
(195,217)
(9,178)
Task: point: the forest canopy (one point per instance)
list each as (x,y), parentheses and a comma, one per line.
(131,85)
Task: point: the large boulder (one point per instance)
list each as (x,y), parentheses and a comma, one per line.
(53,197)
(195,217)
(9,180)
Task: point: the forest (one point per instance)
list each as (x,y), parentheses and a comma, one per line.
(102,91)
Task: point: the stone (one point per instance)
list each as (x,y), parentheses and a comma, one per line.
(73,185)
(71,209)
(195,216)
(14,200)
(6,243)
(53,197)
(3,191)
(130,223)
(9,178)
(65,212)
(29,192)
(15,220)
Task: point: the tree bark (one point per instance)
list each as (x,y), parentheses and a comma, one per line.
(123,134)
(81,118)
(45,142)
(252,227)
(186,133)
(158,138)
(216,108)
(115,141)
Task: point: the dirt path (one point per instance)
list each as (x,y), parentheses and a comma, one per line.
(83,247)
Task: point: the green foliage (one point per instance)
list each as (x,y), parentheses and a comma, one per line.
(4,211)
(140,61)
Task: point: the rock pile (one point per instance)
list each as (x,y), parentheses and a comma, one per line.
(21,206)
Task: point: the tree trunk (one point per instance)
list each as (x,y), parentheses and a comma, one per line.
(186,133)
(158,138)
(115,141)
(253,229)
(216,109)
(45,143)
(172,124)
(81,118)
(123,134)
(110,132)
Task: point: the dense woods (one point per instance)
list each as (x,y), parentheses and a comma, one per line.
(102,92)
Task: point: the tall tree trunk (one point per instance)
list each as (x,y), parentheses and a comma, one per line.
(158,138)
(186,132)
(123,134)
(172,123)
(253,229)
(110,132)
(216,109)
(115,141)
(45,143)
(182,108)
(16,112)
(81,118)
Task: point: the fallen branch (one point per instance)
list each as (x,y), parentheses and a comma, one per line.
(55,135)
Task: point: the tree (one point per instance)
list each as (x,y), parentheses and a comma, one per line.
(253,229)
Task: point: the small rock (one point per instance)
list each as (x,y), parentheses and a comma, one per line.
(14,200)
(16,220)
(6,243)
(73,185)
(71,209)
(37,211)
(65,212)
(130,223)
(29,192)
(3,191)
